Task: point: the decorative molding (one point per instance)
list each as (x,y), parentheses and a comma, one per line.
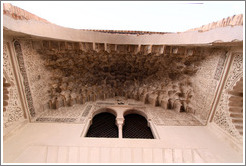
(19,55)
(14,112)
(87,110)
(236,71)
(58,120)
(220,67)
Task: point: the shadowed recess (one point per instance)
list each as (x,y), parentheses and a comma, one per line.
(103,125)
(136,127)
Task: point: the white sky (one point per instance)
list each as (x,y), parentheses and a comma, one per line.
(159,16)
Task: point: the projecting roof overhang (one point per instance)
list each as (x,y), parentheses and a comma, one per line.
(38,29)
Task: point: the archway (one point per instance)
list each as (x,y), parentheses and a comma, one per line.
(103,125)
(136,126)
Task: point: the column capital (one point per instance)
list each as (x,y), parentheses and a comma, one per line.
(120,121)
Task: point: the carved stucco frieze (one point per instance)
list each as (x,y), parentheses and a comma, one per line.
(236,71)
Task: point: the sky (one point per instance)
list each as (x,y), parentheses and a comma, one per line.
(157,16)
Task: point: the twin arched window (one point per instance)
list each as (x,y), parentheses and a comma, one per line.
(135,126)
(103,125)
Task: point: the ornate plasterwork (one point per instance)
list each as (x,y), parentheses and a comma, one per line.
(80,113)
(182,79)
(19,55)
(82,74)
(205,82)
(222,114)
(37,77)
(172,118)
(74,114)
(14,112)
(236,71)
(220,66)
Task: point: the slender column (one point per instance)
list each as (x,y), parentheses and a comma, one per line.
(119,123)
(221,84)
(138,49)
(94,46)
(19,80)
(153,129)
(86,127)
(162,49)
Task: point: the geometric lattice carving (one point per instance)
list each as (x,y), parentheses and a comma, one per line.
(205,82)
(220,66)
(225,113)
(86,111)
(59,120)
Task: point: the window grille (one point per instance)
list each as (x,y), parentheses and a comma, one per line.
(135,126)
(103,125)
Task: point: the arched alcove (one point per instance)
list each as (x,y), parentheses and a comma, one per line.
(103,125)
(136,126)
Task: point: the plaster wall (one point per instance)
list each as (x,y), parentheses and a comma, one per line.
(61,143)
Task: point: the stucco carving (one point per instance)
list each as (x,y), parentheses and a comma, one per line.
(120,72)
(13,112)
(22,67)
(205,82)
(72,114)
(37,77)
(182,79)
(222,114)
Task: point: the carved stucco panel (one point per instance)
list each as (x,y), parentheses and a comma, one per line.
(222,115)
(205,82)
(14,112)
(38,75)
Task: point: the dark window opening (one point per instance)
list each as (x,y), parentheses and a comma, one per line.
(103,125)
(135,126)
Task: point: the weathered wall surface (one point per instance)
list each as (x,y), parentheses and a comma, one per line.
(12,111)
(223,112)
(205,82)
